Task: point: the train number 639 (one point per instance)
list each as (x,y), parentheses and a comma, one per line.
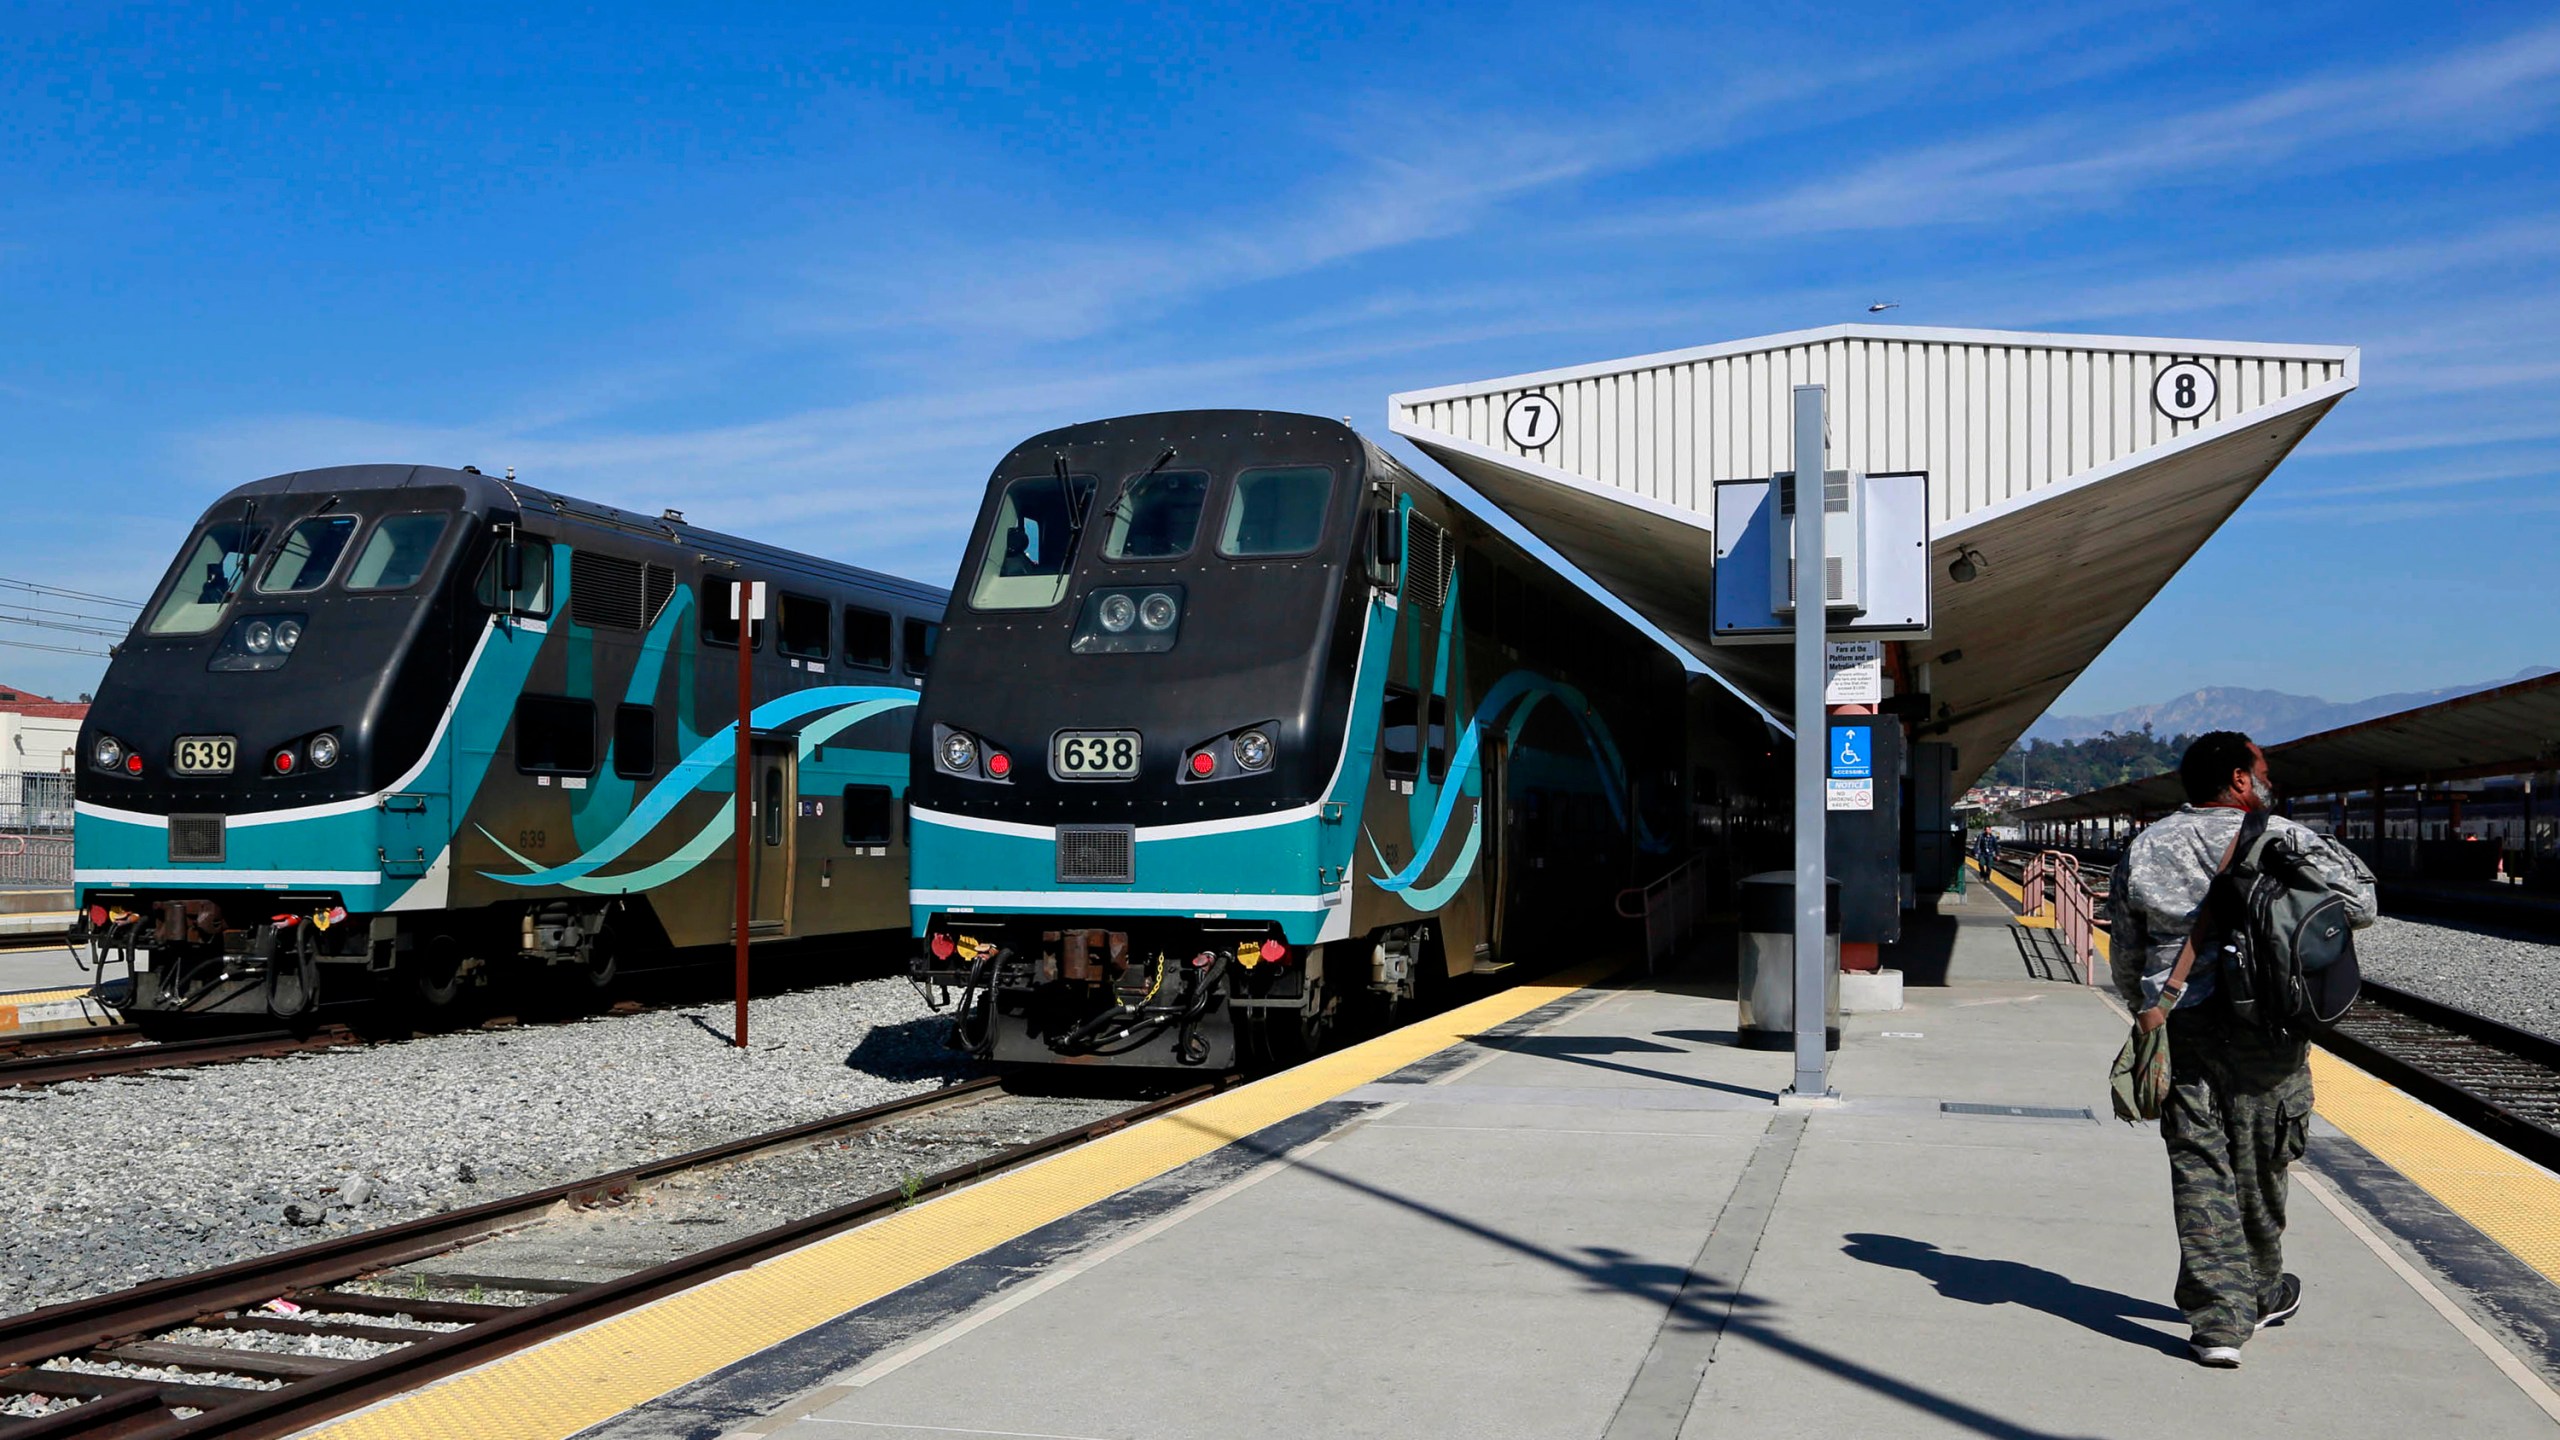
(1094,754)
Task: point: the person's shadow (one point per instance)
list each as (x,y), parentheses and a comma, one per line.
(2008,1282)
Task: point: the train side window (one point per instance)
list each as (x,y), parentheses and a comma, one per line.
(635,741)
(555,735)
(535,598)
(867,638)
(718,626)
(1438,752)
(921,636)
(309,552)
(773,804)
(804,627)
(1398,722)
(870,815)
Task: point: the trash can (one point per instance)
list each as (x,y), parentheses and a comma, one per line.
(1767,987)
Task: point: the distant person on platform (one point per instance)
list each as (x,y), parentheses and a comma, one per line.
(2239,1105)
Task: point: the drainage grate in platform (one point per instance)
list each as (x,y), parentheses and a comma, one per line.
(2024,1112)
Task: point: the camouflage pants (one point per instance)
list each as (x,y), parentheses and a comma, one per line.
(2238,1113)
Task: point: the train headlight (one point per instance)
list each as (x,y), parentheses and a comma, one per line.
(1157,611)
(959,752)
(106,752)
(1117,613)
(1253,750)
(257,637)
(288,635)
(324,748)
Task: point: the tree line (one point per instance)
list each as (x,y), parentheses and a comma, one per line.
(2092,763)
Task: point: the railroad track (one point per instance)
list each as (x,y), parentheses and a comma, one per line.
(51,1042)
(2499,1080)
(47,1067)
(124,1328)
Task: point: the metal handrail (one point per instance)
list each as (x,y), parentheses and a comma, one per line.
(1672,906)
(2053,882)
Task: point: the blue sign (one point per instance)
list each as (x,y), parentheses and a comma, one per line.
(1853,752)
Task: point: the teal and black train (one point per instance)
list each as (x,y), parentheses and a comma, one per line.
(1240,729)
(386,732)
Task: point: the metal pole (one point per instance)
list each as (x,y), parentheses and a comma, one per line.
(743,808)
(1813,744)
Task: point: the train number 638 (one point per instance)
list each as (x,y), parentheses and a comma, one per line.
(1094,754)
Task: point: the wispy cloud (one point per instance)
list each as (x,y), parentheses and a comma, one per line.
(2473,98)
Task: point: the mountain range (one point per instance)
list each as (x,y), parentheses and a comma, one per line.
(2267,716)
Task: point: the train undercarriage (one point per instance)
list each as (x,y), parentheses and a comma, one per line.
(232,959)
(1182,995)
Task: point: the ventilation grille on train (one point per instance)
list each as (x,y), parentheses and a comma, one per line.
(196,839)
(608,592)
(1097,854)
(1430,561)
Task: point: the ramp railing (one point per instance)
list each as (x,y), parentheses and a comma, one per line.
(2052,888)
(1673,908)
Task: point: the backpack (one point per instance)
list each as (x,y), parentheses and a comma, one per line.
(2283,939)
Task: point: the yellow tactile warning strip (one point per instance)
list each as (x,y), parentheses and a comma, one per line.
(2042,919)
(2505,1196)
(21,1008)
(562,1387)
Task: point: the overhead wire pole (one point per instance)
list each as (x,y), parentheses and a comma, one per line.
(1813,736)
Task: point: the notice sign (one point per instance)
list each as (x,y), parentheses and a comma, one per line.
(1848,794)
(1853,672)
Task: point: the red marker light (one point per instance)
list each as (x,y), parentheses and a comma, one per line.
(284,762)
(999,764)
(1274,952)
(1204,763)
(133,764)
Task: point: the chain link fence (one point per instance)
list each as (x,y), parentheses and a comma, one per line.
(35,831)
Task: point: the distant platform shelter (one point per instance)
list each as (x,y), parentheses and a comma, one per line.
(2070,476)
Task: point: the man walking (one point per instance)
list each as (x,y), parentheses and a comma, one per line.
(2239,1106)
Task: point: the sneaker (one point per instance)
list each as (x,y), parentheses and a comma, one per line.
(2220,1357)
(2279,1307)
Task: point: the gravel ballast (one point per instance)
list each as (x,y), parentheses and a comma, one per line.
(2508,977)
(108,1183)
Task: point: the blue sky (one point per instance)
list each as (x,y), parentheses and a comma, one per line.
(808,275)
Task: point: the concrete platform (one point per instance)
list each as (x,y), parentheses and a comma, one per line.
(1593,1221)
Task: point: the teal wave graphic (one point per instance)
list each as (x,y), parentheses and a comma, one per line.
(1519,693)
(852,704)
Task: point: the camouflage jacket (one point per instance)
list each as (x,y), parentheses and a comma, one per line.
(2162,882)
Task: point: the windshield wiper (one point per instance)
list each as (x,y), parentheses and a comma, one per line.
(1129,491)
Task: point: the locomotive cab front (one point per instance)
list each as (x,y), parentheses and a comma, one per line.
(260,771)
(1139,755)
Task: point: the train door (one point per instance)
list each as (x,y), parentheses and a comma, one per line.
(776,800)
(1495,862)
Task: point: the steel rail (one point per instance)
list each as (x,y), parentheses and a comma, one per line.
(2389,1032)
(171,1055)
(78,1324)
(304,1401)
(87,1037)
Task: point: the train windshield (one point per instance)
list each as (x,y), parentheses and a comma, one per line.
(1276,511)
(1033,545)
(209,573)
(1157,515)
(309,552)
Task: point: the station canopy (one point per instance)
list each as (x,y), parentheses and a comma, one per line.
(2059,471)
(2506,731)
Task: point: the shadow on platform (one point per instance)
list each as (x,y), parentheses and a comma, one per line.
(1976,1281)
